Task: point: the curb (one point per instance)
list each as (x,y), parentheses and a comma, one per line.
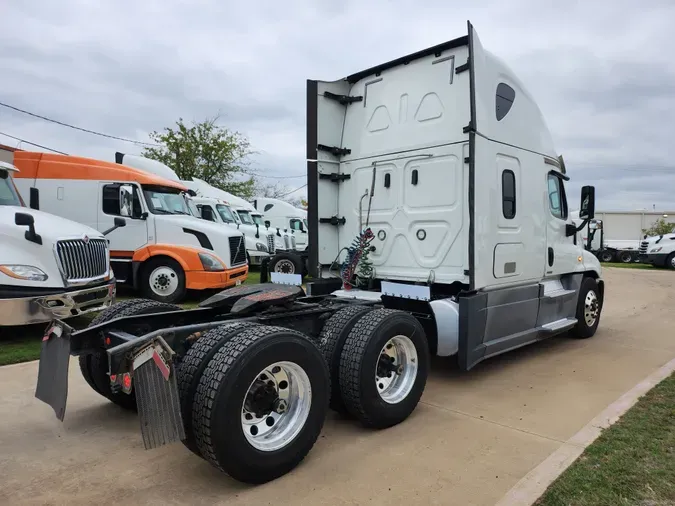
(534,484)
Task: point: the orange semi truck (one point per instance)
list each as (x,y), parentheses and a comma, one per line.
(164,250)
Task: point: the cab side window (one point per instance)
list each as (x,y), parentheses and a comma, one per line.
(557,200)
(110,201)
(207,212)
(296,224)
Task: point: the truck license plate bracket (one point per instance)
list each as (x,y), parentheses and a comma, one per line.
(52,383)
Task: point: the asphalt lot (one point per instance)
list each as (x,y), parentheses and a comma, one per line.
(473,436)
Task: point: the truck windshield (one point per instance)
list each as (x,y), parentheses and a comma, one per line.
(245,217)
(257,219)
(225,213)
(8,194)
(164,200)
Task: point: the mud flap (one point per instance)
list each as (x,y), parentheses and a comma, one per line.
(157,396)
(52,383)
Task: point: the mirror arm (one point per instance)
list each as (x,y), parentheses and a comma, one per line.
(571,229)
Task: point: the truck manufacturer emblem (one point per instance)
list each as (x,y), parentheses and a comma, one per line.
(86,239)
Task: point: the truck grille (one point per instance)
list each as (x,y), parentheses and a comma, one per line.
(643,247)
(271,245)
(82,259)
(237,250)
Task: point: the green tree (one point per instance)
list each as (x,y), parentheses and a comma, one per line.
(660,227)
(206,151)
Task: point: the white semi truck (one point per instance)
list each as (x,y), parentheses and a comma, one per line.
(440,169)
(50,267)
(658,251)
(616,236)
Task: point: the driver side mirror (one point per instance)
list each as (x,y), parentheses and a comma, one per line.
(267,224)
(126,200)
(587,208)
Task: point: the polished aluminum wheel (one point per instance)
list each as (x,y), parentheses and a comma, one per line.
(276,406)
(591,308)
(396,369)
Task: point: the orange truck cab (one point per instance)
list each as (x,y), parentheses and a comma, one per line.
(163,250)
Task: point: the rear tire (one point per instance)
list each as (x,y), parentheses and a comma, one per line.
(331,341)
(224,403)
(626,257)
(191,368)
(589,307)
(606,256)
(373,398)
(94,366)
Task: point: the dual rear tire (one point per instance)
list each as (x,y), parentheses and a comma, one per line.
(379,362)
(254,397)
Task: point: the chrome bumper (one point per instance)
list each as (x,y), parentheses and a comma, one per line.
(44,308)
(256,256)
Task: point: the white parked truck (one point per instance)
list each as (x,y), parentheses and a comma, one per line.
(258,242)
(163,250)
(432,177)
(49,267)
(287,254)
(658,251)
(284,215)
(616,236)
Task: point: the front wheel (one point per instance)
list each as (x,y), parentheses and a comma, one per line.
(286,263)
(163,279)
(670,261)
(589,307)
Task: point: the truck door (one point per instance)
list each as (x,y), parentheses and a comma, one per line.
(562,255)
(123,199)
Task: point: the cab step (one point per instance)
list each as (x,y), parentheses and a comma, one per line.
(559,325)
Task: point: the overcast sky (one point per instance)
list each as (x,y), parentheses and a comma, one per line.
(603,73)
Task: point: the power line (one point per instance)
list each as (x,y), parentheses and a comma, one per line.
(75,127)
(293,191)
(274,177)
(33,144)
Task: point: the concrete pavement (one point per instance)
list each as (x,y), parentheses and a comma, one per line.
(472,438)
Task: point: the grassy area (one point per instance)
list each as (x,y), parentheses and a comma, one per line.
(631,463)
(22,344)
(628,266)
(15,352)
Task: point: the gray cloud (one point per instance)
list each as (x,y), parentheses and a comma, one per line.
(601,71)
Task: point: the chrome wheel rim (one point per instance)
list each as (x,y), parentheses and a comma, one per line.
(163,281)
(591,308)
(285,266)
(672,262)
(396,369)
(276,406)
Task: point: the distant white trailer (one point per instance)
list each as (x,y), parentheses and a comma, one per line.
(616,235)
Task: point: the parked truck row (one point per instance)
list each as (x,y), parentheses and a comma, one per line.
(439,170)
(167,245)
